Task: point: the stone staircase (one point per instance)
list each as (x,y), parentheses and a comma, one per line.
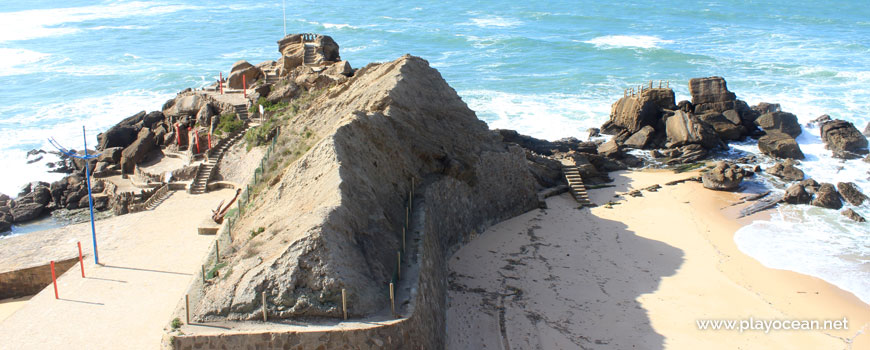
(575,183)
(271,76)
(310,55)
(214,155)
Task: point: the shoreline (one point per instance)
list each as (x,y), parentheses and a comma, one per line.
(673,261)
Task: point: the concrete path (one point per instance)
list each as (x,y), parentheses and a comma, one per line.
(148,259)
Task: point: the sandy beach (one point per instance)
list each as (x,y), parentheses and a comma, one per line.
(638,275)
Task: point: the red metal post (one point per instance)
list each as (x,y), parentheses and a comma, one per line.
(54,280)
(81,261)
(196,139)
(222,83)
(244,86)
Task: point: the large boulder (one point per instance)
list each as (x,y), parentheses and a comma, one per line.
(783,122)
(711,94)
(283,91)
(683,129)
(137,151)
(631,113)
(827,197)
(727,129)
(185,105)
(150,119)
(243,75)
(641,138)
(26,211)
(786,170)
(545,147)
(111,155)
(867,130)
(6,218)
(796,194)
(851,193)
(842,138)
(780,145)
(121,134)
(205,114)
(610,149)
(724,176)
(764,108)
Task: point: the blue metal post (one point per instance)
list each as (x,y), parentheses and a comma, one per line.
(90,197)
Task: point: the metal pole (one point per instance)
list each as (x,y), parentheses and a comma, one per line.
(90,197)
(344,303)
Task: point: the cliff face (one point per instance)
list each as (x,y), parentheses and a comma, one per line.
(333,219)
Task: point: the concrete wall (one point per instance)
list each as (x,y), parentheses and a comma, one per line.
(29,281)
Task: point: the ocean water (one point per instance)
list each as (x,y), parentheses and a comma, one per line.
(549,69)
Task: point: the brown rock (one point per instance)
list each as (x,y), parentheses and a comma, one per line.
(810,185)
(780,145)
(632,113)
(843,137)
(137,151)
(292,51)
(243,69)
(724,176)
(725,128)
(709,90)
(796,194)
(824,118)
(610,149)
(827,197)
(851,193)
(641,138)
(786,170)
(851,214)
(682,129)
(764,108)
(783,122)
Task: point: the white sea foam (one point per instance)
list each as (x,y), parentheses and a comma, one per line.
(550,116)
(15,61)
(64,122)
(338,26)
(635,41)
(495,22)
(31,24)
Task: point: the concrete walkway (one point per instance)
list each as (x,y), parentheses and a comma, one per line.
(148,259)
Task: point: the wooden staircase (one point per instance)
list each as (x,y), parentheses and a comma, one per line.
(575,184)
(271,76)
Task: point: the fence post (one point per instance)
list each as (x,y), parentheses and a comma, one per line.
(187,307)
(264,307)
(398,265)
(392,300)
(203,273)
(344,303)
(217,252)
(403,239)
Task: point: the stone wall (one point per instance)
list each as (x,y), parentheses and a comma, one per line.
(32,280)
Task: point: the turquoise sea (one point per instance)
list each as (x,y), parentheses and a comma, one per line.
(549,69)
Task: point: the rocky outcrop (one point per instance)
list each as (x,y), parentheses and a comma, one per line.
(6,218)
(292,51)
(824,118)
(724,176)
(843,138)
(796,194)
(867,130)
(850,192)
(780,145)
(711,94)
(631,113)
(683,129)
(243,73)
(782,122)
(827,197)
(764,108)
(851,214)
(786,170)
(342,203)
(545,147)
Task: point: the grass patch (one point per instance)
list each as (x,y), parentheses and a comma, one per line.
(214,270)
(258,231)
(229,124)
(268,106)
(260,135)
(176,323)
